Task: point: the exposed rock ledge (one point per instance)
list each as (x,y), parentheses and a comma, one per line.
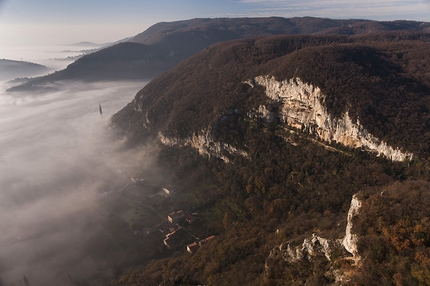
(317,246)
(310,248)
(302,107)
(350,239)
(204,143)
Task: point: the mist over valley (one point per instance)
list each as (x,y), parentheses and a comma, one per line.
(58,158)
(218,151)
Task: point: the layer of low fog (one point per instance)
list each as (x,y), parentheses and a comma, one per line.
(58,156)
(52,57)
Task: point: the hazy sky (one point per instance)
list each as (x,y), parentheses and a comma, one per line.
(63,21)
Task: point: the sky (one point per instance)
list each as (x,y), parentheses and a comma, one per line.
(45,22)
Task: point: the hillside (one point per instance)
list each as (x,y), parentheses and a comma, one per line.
(164,45)
(10,69)
(234,28)
(306,156)
(370,79)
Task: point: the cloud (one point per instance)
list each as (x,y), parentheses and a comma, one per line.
(377,10)
(58,158)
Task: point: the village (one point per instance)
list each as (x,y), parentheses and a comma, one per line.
(174,226)
(134,219)
(138,220)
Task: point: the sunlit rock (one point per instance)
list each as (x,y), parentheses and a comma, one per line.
(350,239)
(302,106)
(205,145)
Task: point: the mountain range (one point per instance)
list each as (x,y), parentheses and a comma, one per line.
(309,155)
(164,45)
(301,145)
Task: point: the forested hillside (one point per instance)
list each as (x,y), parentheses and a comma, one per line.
(265,187)
(380,79)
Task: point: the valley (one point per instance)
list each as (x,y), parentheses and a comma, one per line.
(261,151)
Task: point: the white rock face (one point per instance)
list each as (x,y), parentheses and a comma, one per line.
(318,246)
(204,143)
(302,107)
(350,239)
(311,247)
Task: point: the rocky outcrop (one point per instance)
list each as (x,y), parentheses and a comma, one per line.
(350,239)
(302,106)
(310,248)
(205,144)
(317,247)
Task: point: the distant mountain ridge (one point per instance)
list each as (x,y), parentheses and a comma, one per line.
(10,69)
(86,43)
(248,27)
(164,45)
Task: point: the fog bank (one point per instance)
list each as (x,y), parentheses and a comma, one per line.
(58,156)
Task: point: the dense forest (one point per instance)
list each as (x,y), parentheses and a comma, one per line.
(291,185)
(287,193)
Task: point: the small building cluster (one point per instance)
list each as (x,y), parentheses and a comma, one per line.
(176,236)
(172,229)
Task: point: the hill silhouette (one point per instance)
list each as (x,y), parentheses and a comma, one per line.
(164,45)
(10,69)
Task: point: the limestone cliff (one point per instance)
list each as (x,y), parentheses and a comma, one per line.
(302,106)
(311,247)
(350,239)
(298,105)
(205,144)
